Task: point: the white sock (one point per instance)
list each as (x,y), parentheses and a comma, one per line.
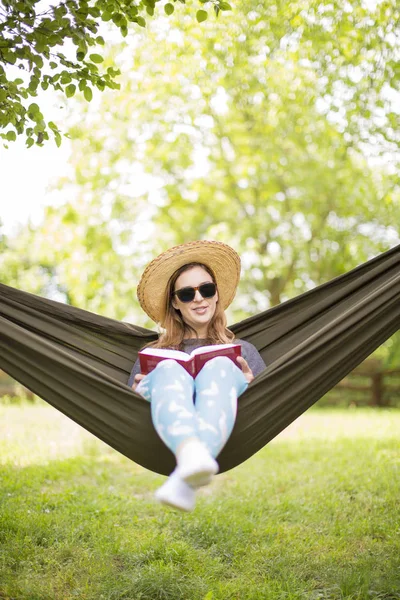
(176,493)
(196,466)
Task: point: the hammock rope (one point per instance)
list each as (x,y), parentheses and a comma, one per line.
(80,362)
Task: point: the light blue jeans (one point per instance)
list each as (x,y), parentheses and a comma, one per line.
(204,407)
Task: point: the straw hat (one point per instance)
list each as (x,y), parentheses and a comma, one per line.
(223,261)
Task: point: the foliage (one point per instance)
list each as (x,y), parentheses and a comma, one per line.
(392,357)
(55,47)
(313,515)
(73,257)
(236,133)
(272,131)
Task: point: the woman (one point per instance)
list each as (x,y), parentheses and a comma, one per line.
(186,290)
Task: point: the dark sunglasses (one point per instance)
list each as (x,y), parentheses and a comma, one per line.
(187,294)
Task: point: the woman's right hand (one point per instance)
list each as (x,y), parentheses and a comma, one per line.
(138,378)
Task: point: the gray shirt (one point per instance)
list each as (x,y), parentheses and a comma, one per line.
(249,353)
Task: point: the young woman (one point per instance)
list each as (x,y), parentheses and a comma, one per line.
(186,291)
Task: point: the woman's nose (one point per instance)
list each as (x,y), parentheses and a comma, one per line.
(198,297)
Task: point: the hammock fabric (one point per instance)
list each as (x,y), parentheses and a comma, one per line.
(80,362)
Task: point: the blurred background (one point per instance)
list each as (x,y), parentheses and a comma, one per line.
(273,128)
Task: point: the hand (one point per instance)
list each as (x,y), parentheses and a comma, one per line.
(137,380)
(247,372)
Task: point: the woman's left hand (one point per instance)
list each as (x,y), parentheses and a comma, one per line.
(247,372)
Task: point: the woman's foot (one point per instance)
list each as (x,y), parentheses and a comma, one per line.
(196,466)
(176,493)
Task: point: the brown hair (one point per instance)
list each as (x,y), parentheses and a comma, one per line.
(175,327)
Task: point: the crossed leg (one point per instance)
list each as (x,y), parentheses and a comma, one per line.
(194,418)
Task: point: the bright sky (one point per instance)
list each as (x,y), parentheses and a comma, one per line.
(26,175)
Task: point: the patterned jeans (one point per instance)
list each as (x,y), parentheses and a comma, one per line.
(204,407)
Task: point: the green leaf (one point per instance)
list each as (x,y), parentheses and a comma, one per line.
(96,58)
(117,18)
(131,13)
(169,8)
(9,57)
(11,136)
(37,117)
(224,6)
(33,108)
(38,60)
(201,16)
(70,90)
(94,12)
(140,21)
(65,78)
(33,84)
(57,138)
(87,92)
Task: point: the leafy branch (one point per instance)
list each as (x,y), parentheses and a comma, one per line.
(31,40)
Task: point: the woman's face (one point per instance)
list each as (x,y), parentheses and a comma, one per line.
(200,311)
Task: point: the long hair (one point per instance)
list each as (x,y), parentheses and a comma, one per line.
(175,328)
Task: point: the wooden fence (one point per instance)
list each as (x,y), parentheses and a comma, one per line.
(368,385)
(382,389)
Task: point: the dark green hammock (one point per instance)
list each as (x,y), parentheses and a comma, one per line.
(80,362)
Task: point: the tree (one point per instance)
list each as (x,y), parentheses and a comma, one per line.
(237,134)
(74,256)
(238,128)
(53,47)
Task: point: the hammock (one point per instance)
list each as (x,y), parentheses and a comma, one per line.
(80,362)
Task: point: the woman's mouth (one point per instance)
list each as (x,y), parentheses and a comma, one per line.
(200,310)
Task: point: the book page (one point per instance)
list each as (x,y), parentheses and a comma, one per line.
(165,353)
(213,348)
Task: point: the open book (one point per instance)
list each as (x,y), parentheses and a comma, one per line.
(193,362)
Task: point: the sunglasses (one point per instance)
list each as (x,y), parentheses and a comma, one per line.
(187,294)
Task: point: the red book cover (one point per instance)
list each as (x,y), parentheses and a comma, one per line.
(230,351)
(193,363)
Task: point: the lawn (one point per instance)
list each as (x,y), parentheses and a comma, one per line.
(314,515)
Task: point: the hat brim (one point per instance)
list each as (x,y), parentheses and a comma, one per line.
(223,261)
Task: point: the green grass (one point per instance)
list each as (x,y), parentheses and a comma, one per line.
(314,515)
